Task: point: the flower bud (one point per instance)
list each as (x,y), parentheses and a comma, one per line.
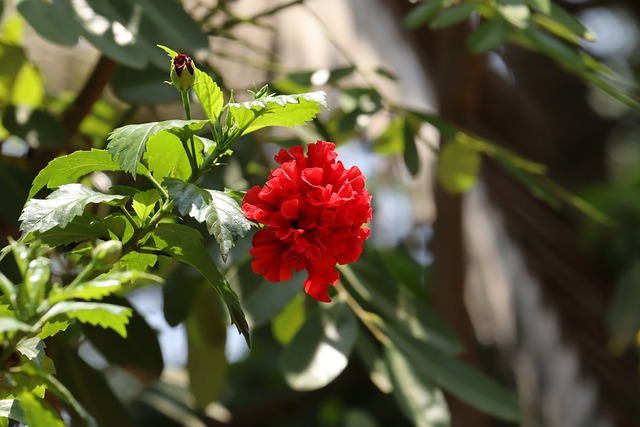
(182,72)
(107,253)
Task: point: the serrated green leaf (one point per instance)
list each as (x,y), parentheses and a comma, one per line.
(127,144)
(33,349)
(515,11)
(281,110)
(320,350)
(422,13)
(287,323)
(11,408)
(209,95)
(136,261)
(419,398)
(463,381)
(49,329)
(80,228)
(106,315)
(37,412)
(184,244)
(145,202)
(453,15)
(70,168)
(218,210)
(458,167)
(167,158)
(60,207)
(103,285)
(489,35)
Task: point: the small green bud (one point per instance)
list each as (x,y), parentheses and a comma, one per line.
(183,72)
(107,253)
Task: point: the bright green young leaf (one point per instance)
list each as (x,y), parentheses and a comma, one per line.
(419,398)
(106,315)
(463,381)
(50,20)
(167,158)
(70,168)
(127,144)
(453,15)
(28,88)
(515,11)
(422,13)
(320,350)
(33,349)
(172,53)
(11,408)
(37,412)
(206,339)
(60,207)
(281,110)
(544,6)
(209,95)
(145,202)
(287,323)
(489,35)
(458,167)
(81,228)
(218,210)
(184,244)
(51,328)
(103,285)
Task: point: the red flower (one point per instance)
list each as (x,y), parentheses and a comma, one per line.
(314,211)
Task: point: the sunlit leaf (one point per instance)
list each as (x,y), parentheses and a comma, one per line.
(167,157)
(105,315)
(32,349)
(28,89)
(60,207)
(144,202)
(287,323)
(209,95)
(11,408)
(458,167)
(515,11)
(80,228)
(37,412)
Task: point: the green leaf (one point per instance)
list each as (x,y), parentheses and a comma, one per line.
(419,398)
(320,350)
(391,140)
(39,128)
(453,15)
(81,228)
(209,95)
(145,202)
(410,131)
(489,35)
(37,412)
(172,53)
(206,362)
(543,6)
(70,168)
(11,408)
(269,299)
(623,318)
(49,329)
(136,261)
(10,324)
(374,362)
(458,167)
(139,353)
(422,13)
(167,157)
(184,244)
(60,207)
(218,210)
(28,88)
(463,381)
(287,323)
(514,11)
(32,349)
(127,144)
(281,110)
(50,20)
(106,315)
(144,86)
(571,22)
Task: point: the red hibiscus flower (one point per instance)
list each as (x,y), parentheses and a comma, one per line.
(314,211)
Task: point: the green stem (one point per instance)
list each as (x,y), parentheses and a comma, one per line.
(127,215)
(83,275)
(191,153)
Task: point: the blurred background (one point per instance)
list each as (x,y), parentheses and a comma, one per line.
(534,266)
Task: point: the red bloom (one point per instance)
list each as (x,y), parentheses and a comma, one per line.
(314,210)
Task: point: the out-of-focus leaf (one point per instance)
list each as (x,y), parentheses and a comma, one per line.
(410,132)
(90,388)
(38,128)
(458,167)
(391,141)
(13,191)
(179,293)
(139,353)
(489,35)
(184,244)
(422,13)
(320,350)
(60,207)
(563,17)
(11,408)
(218,210)
(373,360)
(270,298)
(453,15)
(465,382)
(543,6)
(287,323)
(359,418)
(144,87)
(418,396)
(515,11)
(623,318)
(128,143)
(206,362)
(28,89)
(51,20)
